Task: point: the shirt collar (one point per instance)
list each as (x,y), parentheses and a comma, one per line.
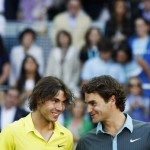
(128,124)
(30,126)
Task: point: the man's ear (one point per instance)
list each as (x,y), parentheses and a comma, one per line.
(112,99)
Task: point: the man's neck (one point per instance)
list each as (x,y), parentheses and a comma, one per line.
(40,123)
(114,124)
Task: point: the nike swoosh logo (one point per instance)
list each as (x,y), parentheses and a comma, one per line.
(61,145)
(134,140)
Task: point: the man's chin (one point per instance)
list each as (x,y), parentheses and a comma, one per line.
(95,120)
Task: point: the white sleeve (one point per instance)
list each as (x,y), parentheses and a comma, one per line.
(86,73)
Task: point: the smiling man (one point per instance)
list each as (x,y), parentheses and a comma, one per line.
(39,130)
(105,100)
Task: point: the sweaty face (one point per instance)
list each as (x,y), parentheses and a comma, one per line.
(51,109)
(97,107)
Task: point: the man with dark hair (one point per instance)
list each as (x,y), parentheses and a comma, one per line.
(10,110)
(116,130)
(39,130)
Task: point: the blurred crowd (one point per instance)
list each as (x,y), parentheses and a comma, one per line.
(89,38)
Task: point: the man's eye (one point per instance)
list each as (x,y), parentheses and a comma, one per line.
(93,104)
(65,102)
(55,100)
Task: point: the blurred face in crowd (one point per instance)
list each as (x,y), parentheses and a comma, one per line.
(78,109)
(121,56)
(51,109)
(135,86)
(27,40)
(97,107)
(141,27)
(105,55)
(147,4)
(94,36)
(63,40)
(120,8)
(30,65)
(74,7)
(11,98)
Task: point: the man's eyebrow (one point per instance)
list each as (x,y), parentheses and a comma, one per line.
(91,101)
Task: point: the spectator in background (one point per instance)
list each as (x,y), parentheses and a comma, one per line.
(29,76)
(118,28)
(144,10)
(95,7)
(2,18)
(92,42)
(77,124)
(9,110)
(18,53)
(63,61)
(10,9)
(32,10)
(102,65)
(124,56)
(35,12)
(74,20)
(4,64)
(137,104)
(58,6)
(140,46)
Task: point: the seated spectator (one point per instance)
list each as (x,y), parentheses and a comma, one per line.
(9,110)
(144,10)
(92,41)
(57,7)
(77,124)
(95,7)
(74,20)
(33,10)
(4,64)
(118,28)
(124,56)
(18,53)
(10,9)
(137,105)
(63,61)
(2,18)
(140,46)
(29,76)
(102,65)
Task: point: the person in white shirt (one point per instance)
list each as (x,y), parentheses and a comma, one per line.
(18,53)
(9,110)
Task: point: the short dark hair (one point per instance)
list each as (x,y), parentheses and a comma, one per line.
(126,49)
(106,86)
(25,31)
(105,46)
(11,88)
(46,89)
(66,33)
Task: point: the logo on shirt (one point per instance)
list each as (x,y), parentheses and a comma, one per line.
(59,145)
(134,140)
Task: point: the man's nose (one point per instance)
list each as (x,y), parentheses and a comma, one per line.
(89,109)
(60,106)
